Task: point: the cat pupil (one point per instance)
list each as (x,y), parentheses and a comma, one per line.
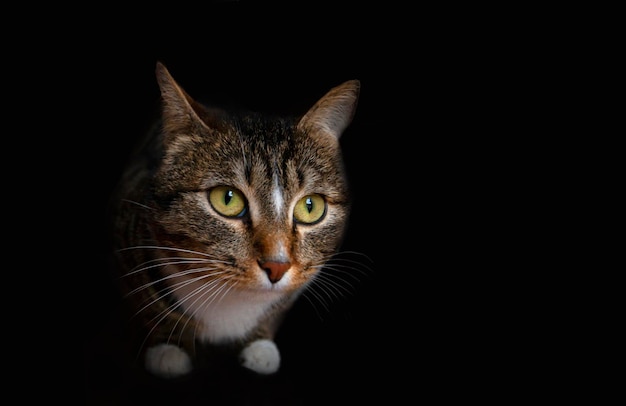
(309,204)
(228,197)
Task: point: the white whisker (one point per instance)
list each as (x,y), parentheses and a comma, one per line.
(170,309)
(165,262)
(313,304)
(325,279)
(174,275)
(209,300)
(203,290)
(164,248)
(170,290)
(336,279)
(137,203)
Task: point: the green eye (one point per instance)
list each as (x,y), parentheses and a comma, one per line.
(227,201)
(310,209)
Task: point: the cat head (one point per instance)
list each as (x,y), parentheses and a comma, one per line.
(265,197)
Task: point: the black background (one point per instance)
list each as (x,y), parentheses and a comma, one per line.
(421,323)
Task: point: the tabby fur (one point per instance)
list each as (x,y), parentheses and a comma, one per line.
(194,278)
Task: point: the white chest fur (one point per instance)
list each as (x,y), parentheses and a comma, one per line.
(229,316)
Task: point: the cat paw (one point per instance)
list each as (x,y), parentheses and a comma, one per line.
(261,356)
(167,361)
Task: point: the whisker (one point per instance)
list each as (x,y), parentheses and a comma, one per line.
(170,309)
(181,273)
(305,294)
(142,267)
(318,282)
(164,248)
(137,203)
(170,290)
(341,257)
(203,290)
(323,291)
(337,268)
(327,280)
(361,255)
(332,289)
(336,278)
(352,265)
(173,287)
(207,302)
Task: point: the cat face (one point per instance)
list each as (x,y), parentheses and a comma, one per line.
(266,200)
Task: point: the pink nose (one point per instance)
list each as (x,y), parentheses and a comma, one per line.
(275,270)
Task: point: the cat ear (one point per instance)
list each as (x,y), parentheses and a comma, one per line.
(179,109)
(334,111)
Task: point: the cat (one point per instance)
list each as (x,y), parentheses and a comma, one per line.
(222,220)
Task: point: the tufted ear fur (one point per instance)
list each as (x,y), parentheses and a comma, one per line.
(179,110)
(334,111)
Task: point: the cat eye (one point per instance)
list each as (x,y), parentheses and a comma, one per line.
(310,209)
(227,201)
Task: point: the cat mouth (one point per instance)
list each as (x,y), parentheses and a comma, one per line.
(272,283)
(271,290)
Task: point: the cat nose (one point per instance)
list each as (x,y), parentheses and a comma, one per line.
(275,270)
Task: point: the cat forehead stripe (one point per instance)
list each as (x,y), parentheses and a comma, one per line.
(277,196)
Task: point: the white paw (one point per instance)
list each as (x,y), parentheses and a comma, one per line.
(167,361)
(261,356)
